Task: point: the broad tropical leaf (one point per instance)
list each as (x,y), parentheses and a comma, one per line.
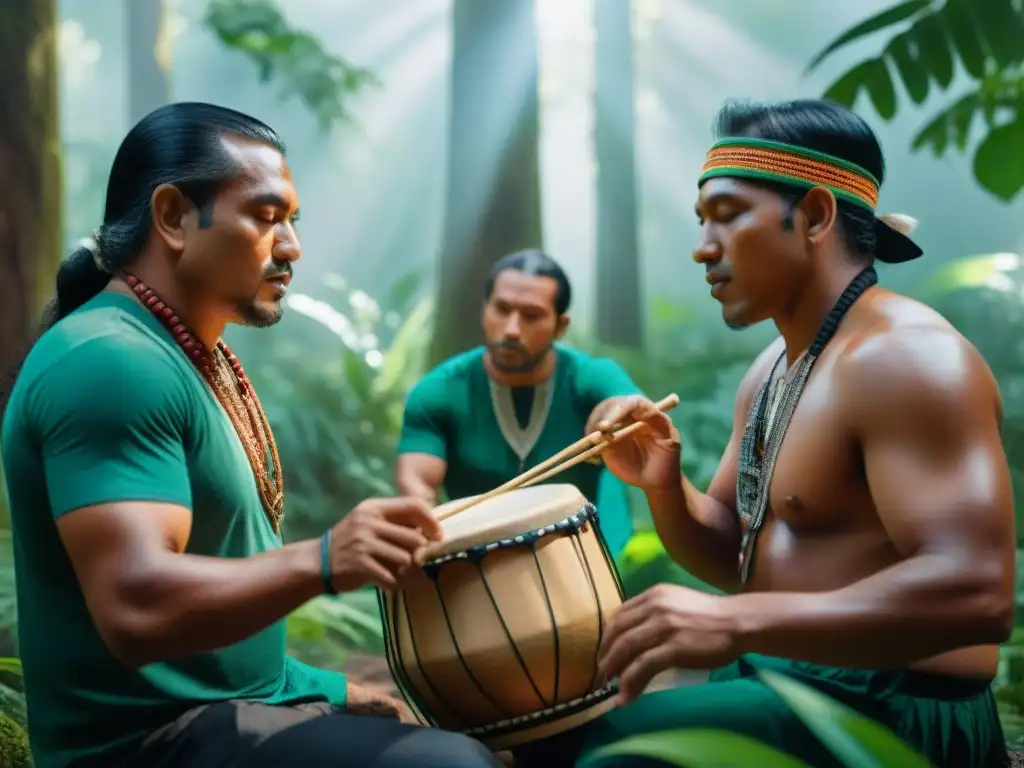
(879,21)
(1000,26)
(697,748)
(853,738)
(1001,176)
(933,49)
(914,73)
(258,29)
(965,37)
(987,38)
(951,125)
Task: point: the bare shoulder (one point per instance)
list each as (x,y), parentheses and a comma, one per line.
(911,360)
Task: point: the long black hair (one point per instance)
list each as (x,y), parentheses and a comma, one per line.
(179,144)
(819,125)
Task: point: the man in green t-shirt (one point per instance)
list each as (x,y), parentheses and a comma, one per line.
(146,494)
(484,416)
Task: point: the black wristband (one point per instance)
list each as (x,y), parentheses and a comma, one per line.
(325,562)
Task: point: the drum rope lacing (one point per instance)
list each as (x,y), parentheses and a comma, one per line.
(575,523)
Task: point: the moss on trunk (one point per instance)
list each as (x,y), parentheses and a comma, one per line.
(14,748)
(30,173)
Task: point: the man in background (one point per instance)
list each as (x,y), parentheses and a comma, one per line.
(485,416)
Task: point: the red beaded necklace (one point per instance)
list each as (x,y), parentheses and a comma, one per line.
(232,388)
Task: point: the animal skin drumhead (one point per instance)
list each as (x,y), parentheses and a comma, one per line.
(510,514)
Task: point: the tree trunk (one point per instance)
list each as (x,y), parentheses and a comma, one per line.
(618,306)
(148,77)
(30,174)
(493,204)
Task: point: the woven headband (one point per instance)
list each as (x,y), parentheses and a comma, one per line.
(764,160)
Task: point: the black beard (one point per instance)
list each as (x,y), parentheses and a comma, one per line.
(253,315)
(738,326)
(530,362)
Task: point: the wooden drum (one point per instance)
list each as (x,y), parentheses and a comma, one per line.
(496,636)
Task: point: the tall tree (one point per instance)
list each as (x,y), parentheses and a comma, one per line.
(618,307)
(149,84)
(30,173)
(493,204)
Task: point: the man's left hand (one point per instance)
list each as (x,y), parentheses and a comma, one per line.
(364,701)
(663,628)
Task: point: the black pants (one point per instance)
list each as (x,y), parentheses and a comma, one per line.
(239,734)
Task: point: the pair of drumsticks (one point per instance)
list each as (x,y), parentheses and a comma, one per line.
(576,453)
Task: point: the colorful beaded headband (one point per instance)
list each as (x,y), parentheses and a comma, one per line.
(788,164)
(764,160)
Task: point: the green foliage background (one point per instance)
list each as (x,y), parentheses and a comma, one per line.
(933,40)
(333,375)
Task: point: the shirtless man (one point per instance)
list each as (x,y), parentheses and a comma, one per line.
(883,572)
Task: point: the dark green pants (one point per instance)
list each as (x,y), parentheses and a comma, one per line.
(952,722)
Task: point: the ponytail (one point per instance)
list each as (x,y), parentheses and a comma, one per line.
(79,279)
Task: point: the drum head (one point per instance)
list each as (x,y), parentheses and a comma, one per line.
(510,514)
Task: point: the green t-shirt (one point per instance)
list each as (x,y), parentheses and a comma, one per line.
(488,434)
(107,408)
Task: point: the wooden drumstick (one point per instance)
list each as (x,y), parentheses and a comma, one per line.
(550,467)
(594,438)
(614,437)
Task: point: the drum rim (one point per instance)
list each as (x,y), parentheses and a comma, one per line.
(545,715)
(574,522)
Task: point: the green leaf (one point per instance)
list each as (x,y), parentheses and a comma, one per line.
(902,51)
(934,135)
(697,748)
(403,360)
(994,165)
(401,294)
(879,87)
(1002,28)
(886,18)
(258,30)
(933,47)
(845,90)
(357,375)
(959,24)
(953,124)
(641,548)
(873,76)
(853,738)
(11,665)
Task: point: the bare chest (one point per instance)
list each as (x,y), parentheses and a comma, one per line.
(820,529)
(818,477)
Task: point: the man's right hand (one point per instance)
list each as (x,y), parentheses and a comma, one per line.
(379,540)
(648,458)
